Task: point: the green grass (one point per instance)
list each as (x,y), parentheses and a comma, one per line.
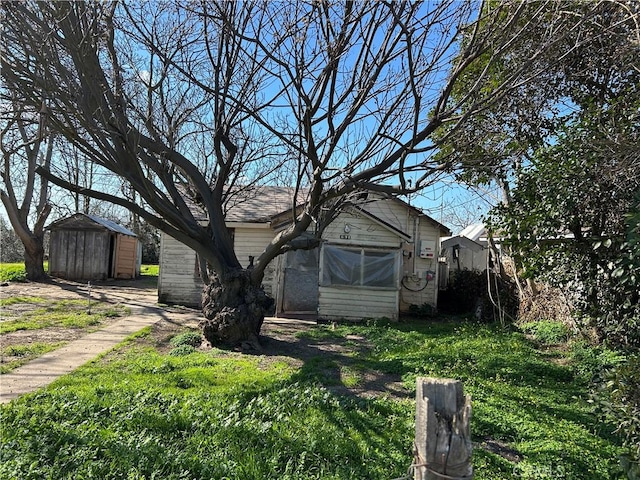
(24,353)
(15,272)
(136,413)
(5,302)
(12,272)
(149,270)
(61,313)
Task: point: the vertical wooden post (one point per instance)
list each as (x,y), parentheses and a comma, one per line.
(443,437)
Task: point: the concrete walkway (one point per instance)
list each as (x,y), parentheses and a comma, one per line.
(43,370)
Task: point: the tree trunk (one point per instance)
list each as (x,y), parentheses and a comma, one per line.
(34,259)
(234,309)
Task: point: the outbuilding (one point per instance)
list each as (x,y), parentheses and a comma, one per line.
(87,247)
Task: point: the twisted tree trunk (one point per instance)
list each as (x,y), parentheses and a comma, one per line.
(234,308)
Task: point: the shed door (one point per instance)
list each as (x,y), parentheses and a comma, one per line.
(300,289)
(125,261)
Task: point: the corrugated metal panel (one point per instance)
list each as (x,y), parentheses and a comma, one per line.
(81,221)
(474,232)
(113,226)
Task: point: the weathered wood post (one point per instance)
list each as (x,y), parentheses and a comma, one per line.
(443,437)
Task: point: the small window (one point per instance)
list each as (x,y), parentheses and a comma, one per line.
(359,267)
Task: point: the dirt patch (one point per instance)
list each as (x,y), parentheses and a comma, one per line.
(39,295)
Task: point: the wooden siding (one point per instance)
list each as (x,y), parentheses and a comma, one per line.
(357,303)
(178,279)
(362,231)
(125,257)
(79,254)
(392,212)
(252,242)
(353,303)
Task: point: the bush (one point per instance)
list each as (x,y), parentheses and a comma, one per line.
(619,400)
(192,339)
(468,292)
(589,362)
(182,350)
(13,272)
(547,332)
(423,311)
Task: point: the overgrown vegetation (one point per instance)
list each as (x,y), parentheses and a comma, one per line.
(137,413)
(472,291)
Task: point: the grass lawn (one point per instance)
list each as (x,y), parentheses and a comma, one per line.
(56,322)
(14,272)
(142,411)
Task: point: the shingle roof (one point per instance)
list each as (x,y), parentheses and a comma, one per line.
(259,204)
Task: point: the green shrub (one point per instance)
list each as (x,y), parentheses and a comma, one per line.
(12,272)
(192,339)
(547,332)
(619,400)
(424,310)
(589,362)
(182,350)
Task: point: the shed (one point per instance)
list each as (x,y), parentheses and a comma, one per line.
(87,247)
(465,251)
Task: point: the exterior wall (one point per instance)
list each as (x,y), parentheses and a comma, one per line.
(125,257)
(391,211)
(470,256)
(362,231)
(352,302)
(178,280)
(79,254)
(249,241)
(417,290)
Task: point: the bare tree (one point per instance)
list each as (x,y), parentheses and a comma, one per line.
(204,99)
(25,196)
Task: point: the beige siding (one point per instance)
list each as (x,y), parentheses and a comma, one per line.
(414,268)
(252,242)
(362,231)
(392,212)
(424,294)
(352,303)
(356,303)
(178,280)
